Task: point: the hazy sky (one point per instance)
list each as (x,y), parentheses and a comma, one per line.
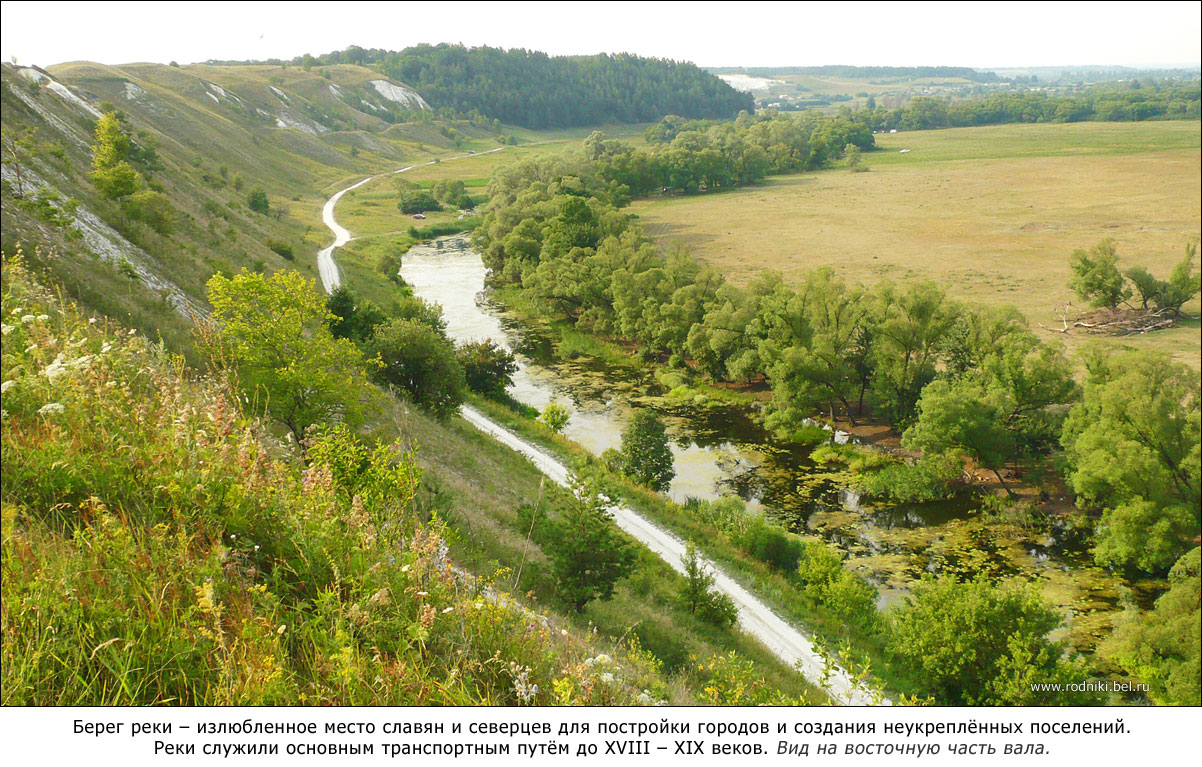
(711,34)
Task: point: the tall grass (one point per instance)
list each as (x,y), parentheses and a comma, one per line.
(159,547)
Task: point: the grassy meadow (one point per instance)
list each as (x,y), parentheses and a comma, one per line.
(990,213)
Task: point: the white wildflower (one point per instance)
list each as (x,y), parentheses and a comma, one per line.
(50,408)
(6,329)
(448,610)
(55,369)
(106,348)
(131,332)
(43,317)
(4,387)
(27,318)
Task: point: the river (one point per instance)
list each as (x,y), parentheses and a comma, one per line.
(454,278)
(722,450)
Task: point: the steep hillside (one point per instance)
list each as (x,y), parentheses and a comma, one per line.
(203,137)
(95,487)
(160,548)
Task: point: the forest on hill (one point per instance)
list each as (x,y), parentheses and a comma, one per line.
(535,90)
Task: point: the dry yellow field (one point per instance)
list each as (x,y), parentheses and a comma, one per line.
(992,214)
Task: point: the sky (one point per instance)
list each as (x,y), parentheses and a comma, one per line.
(995,34)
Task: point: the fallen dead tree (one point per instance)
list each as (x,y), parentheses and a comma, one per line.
(1124,321)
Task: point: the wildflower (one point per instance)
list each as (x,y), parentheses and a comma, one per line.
(423,593)
(43,317)
(131,331)
(448,610)
(55,369)
(4,387)
(91,320)
(405,569)
(26,319)
(563,632)
(281,629)
(50,408)
(205,598)
(479,605)
(6,329)
(106,348)
(380,598)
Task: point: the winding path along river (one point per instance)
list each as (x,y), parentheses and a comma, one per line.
(755,617)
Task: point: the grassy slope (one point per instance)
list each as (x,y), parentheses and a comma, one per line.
(160,548)
(489,483)
(204,142)
(481,483)
(990,213)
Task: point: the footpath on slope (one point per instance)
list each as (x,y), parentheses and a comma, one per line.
(326,266)
(755,617)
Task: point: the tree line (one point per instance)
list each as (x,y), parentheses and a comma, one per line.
(1103,102)
(951,377)
(841,70)
(534,90)
(958,381)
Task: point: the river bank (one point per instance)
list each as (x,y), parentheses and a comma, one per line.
(722,449)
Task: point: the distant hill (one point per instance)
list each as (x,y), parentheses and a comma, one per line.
(534,90)
(840,70)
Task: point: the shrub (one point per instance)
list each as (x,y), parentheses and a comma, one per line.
(1163,646)
(421,362)
(281,248)
(317,377)
(488,367)
(351,319)
(646,454)
(256,200)
(697,594)
(151,208)
(828,583)
(974,643)
(418,201)
(770,544)
(930,478)
(556,417)
(588,553)
(729,680)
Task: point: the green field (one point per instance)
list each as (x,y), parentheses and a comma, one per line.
(991,214)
